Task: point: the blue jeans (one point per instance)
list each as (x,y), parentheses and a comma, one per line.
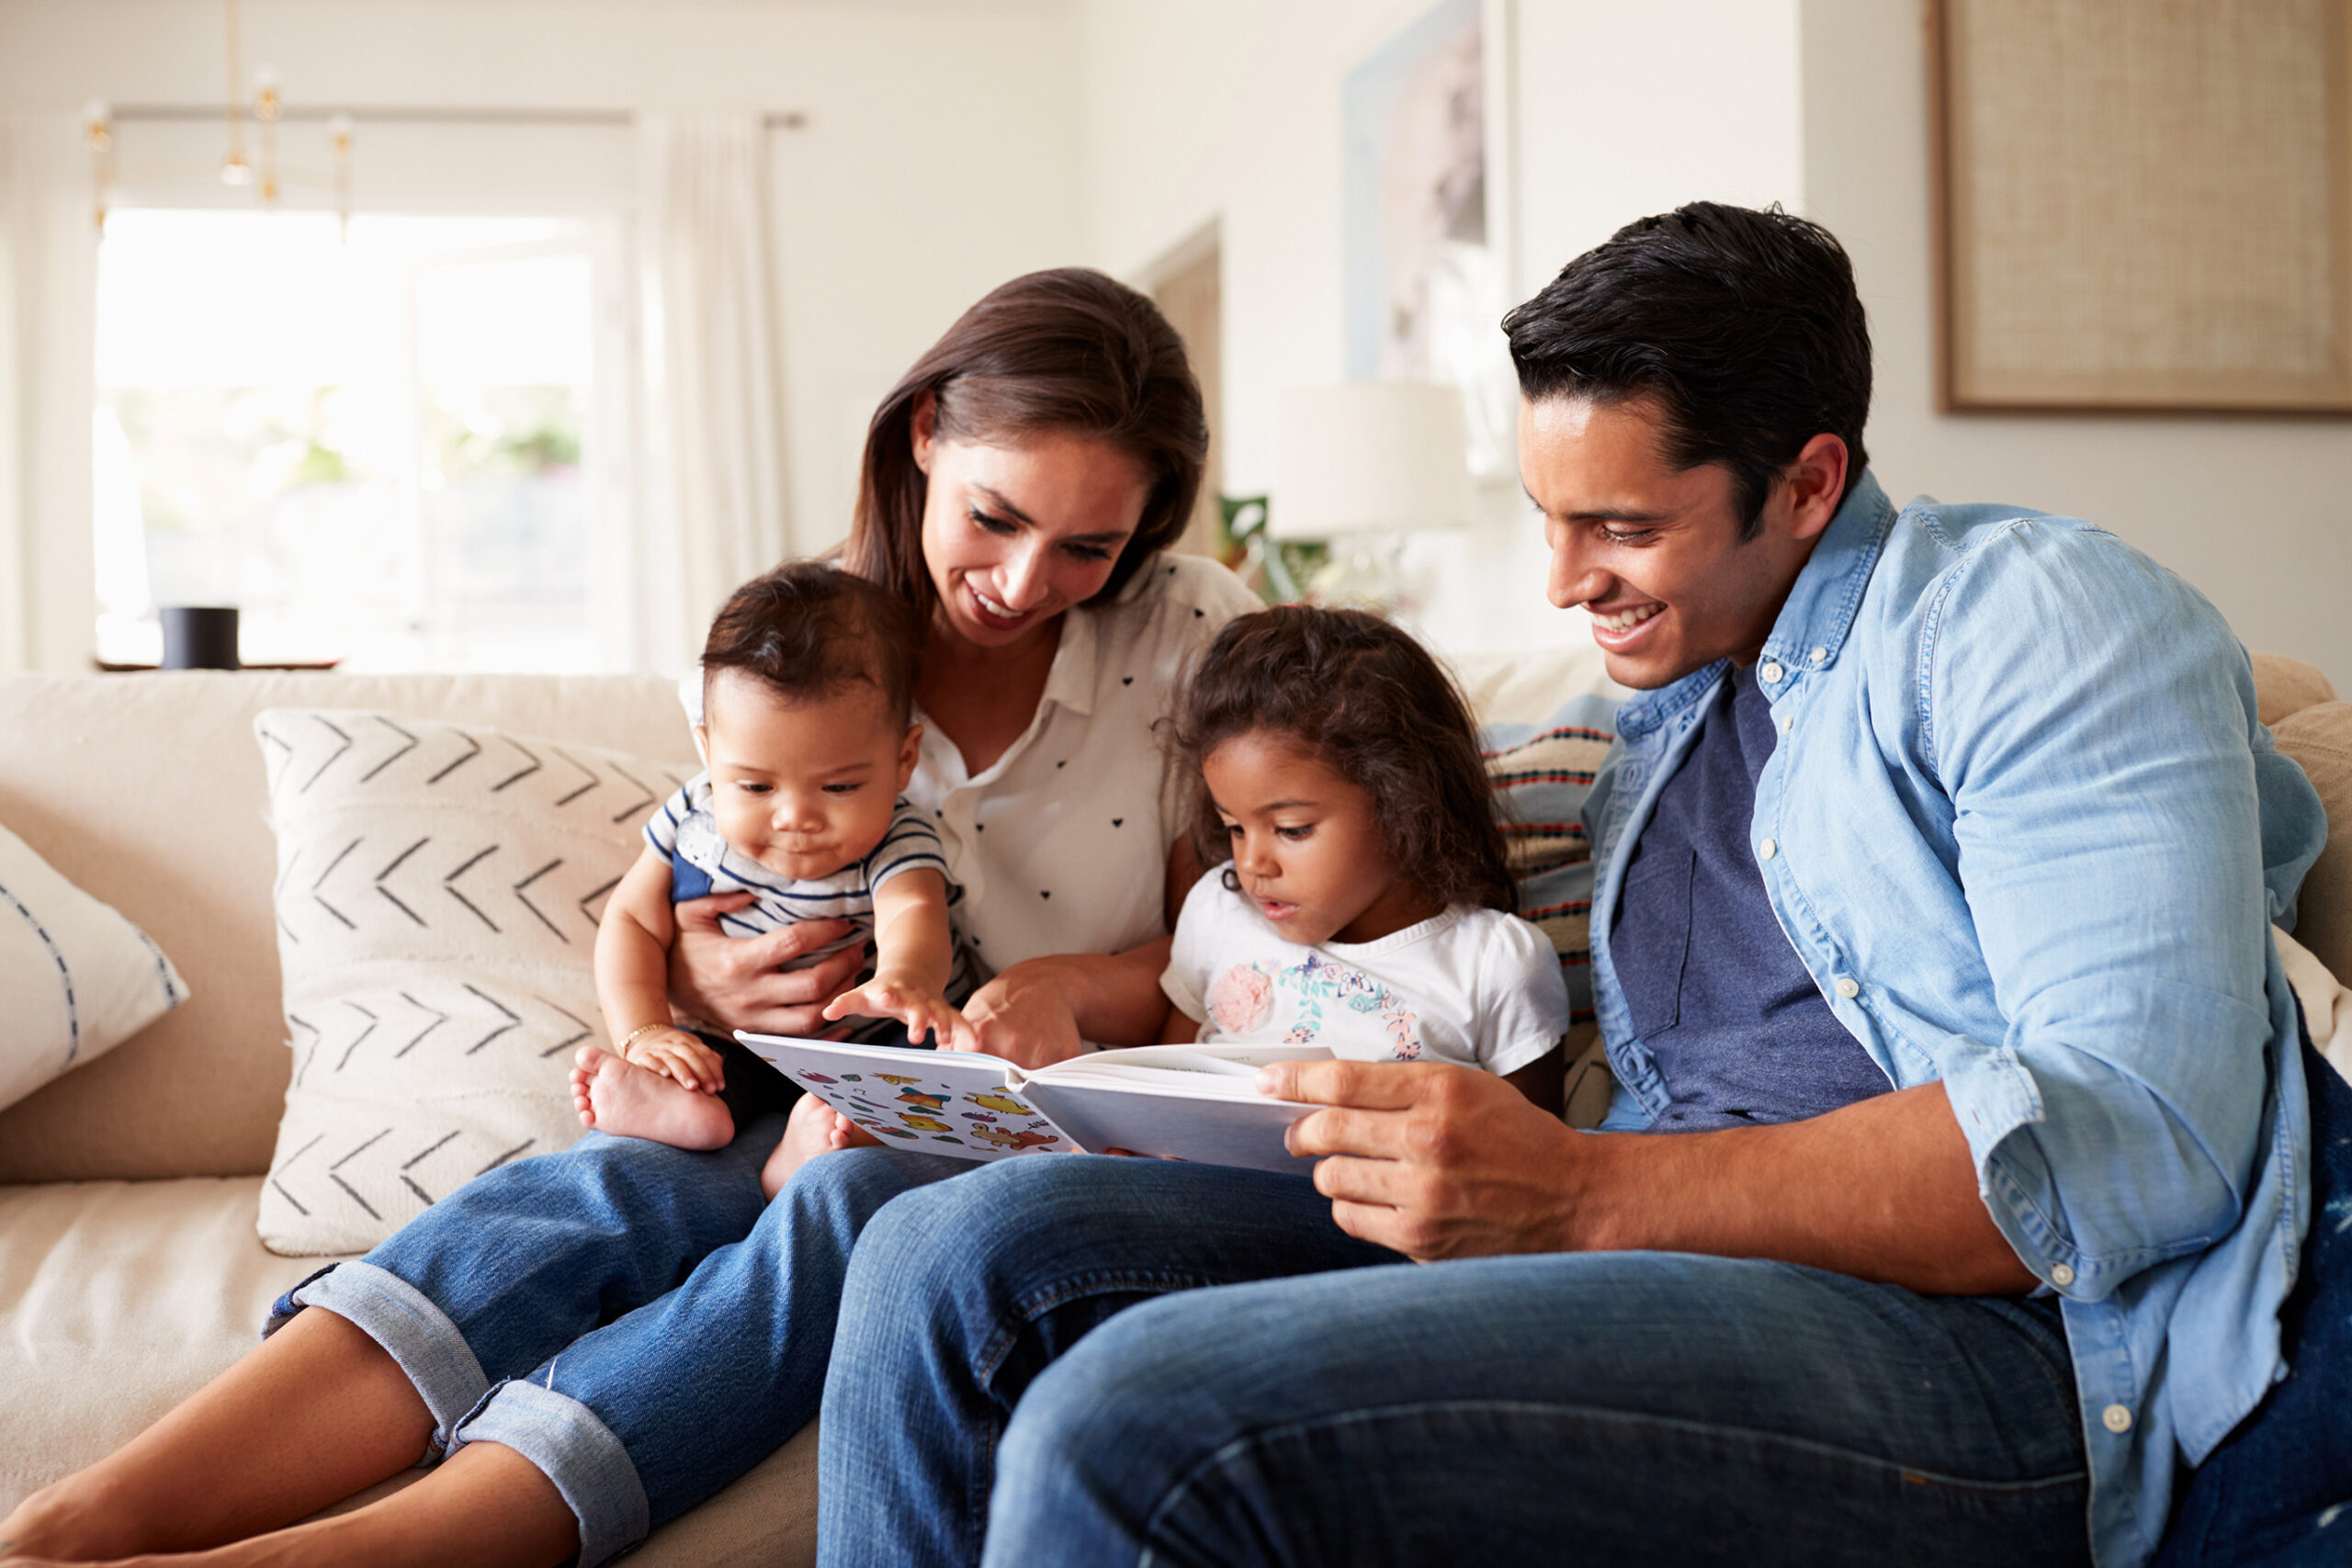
(1325,1403)
(631,1318)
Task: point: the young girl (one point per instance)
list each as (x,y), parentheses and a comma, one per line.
(1363,899)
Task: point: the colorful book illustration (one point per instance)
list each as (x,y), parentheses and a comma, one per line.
(1195,1102)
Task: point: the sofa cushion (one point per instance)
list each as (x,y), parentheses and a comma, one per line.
(79,978)
(439,889)
(117,1299)
(2284,685)
(201,1092)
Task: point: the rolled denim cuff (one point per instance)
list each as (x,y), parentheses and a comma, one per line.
(571,1448)
(417,1334)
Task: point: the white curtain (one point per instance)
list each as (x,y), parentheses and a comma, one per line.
(47,296)
(717,441)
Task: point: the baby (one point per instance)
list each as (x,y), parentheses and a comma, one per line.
(806,741)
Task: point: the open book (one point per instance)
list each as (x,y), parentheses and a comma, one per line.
(1195,1102)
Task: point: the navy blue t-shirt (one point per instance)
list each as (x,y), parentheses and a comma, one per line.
(1740,1032)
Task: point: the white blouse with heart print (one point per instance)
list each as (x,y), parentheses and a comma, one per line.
(1061,844)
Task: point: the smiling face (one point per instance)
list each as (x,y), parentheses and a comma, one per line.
(1014,534)
(806,788)
(1307,845)
(1654,554)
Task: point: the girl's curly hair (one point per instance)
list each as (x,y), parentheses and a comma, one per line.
(1369,702)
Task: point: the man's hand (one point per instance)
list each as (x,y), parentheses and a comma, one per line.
(1446,1162)
(924,1012)
(1431,1160)
(735,981)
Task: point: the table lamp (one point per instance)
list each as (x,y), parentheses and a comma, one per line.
(1362,464)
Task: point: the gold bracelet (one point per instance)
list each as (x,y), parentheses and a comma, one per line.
(639,1033)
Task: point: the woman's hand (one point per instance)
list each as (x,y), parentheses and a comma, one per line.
(736,982)
(1043,1010)
(1024,1016)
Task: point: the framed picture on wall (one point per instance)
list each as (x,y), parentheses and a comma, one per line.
(1426,216)
(2143,207)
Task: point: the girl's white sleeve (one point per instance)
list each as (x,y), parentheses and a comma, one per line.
(1523,1000)
(1185,981)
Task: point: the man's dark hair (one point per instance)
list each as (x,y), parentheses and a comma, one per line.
(1368,702)
(1743,327)
(809,628)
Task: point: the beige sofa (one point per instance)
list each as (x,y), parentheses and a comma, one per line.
(130,1272)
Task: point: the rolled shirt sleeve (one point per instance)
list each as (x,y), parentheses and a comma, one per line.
(2092,728)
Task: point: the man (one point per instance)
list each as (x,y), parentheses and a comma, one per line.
(1936,862)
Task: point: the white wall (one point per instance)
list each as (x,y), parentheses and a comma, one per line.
(1625,110)
(2257,511)
(1229,110)
(938,158)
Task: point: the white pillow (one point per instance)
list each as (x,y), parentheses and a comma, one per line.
(77,978)
(437,895)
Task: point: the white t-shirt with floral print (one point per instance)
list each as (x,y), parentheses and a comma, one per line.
(1476,987)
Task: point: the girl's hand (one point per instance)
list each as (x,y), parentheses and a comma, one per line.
(736,982)
(924,1012)
(679,1057)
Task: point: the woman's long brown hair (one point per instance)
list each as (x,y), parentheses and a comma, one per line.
(1066,352)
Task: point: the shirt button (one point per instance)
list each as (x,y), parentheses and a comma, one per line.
(1788,722)
(1848,987)
(1770,674)
(1767,849)
(1818,654)
(2062,1276)
(2116,1418)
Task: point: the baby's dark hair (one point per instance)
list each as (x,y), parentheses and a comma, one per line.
(809,628)
(1369,702)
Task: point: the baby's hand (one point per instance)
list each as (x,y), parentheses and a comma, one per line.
(678,1056)
(923,1012)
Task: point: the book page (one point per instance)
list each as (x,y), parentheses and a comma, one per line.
(1216,1130)
(941,1102)
(1228,1072)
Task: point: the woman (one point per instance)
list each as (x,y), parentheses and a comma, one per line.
(599,1339)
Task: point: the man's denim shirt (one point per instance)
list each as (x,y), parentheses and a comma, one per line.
(2025,830)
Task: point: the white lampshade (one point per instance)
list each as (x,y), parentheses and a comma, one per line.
(1370,458)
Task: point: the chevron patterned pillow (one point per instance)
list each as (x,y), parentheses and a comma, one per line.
(437,895)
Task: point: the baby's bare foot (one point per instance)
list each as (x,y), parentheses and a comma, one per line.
(630,1101)
(848,1135)
(816,1128)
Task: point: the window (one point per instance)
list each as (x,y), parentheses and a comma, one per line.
(380,446)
